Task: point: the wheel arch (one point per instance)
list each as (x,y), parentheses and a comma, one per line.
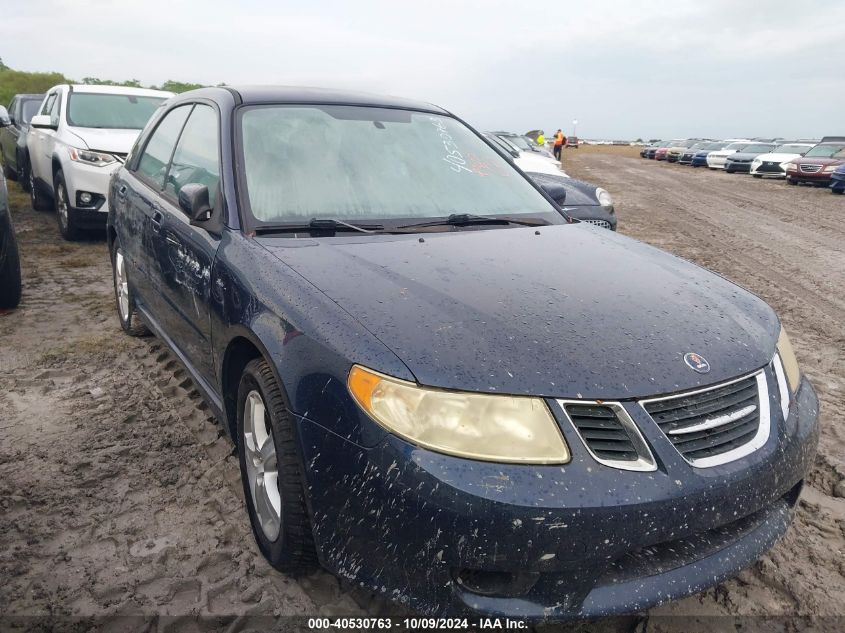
(243,347)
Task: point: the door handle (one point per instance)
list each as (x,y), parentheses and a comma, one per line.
(156,221)
(121,192)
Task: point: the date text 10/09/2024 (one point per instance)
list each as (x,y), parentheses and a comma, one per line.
(417,624)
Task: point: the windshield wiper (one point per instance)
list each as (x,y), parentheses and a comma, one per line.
(467,219)
(315,224)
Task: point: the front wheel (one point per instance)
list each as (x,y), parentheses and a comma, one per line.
(790,181)
(64,212)
(273,489)
(127,313)
(39,201)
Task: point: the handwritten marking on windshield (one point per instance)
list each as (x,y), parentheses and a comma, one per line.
(456,160)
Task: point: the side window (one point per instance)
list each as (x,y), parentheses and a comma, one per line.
(48,103)
(197,159)
(54,110)
(153,163)
(13,116)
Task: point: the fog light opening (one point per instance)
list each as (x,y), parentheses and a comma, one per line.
(495,583)
(85,197)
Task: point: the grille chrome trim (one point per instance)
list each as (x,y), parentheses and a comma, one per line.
(763,428)
(715,423)
(645,461)
(810,168)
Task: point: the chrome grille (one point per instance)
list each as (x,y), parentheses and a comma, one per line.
(602,223)
(810,168)
(715,425)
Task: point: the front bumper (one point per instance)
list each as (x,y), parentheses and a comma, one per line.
(699,161)
(716,162)
(80,177)
(818,177)
(768,169)
(733,166)
(837,182)
(591,540)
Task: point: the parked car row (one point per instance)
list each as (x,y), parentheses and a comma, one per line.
(802,161)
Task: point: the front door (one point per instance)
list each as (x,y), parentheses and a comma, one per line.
(137,197)
(184,254)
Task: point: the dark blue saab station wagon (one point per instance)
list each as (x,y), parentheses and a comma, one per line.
(441,387)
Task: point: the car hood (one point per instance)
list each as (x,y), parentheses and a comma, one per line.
(722,152)
(105,140)
(743,156)
(777,158)
(818,160)
(574,311)
(533,162)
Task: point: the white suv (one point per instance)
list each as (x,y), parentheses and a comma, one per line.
(80,135)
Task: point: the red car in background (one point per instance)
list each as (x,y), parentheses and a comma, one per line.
(661,152)
(818,164)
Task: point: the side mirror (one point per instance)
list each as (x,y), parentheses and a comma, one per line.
(193,200)
(42,121)
(555,191)
(5,120)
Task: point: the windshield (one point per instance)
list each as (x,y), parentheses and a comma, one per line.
(825,151)
(792,148)
(713,146)
(758,148)
(520,142)
(29,109)
(737,146)
(112,111)
(366,163)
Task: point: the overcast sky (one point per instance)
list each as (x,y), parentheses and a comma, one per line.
(624,69)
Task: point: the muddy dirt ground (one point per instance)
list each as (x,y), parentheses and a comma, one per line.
(120,498)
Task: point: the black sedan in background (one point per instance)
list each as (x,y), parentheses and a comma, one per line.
(741,161)
(441,387)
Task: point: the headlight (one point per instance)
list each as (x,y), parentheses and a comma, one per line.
(471,425)
(829,169)
(786,371)
(603,197)
(97,159)
(791,167)
(785,165)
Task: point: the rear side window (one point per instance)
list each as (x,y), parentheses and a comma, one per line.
(196,159)
(153,163)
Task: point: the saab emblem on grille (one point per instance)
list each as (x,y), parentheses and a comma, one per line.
(697,362)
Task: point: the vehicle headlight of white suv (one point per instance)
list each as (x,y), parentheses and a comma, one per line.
(98,159)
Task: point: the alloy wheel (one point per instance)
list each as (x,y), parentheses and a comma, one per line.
(121,285)
(61,205)
(262,465)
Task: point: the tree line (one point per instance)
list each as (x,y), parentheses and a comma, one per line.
(14,82)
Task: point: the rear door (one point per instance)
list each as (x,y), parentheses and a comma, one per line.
(184,254)
(137,198)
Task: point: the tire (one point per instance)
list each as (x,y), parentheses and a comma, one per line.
(10,271)
(39,201)
(283,534)
(64,212)
(124,297)
(790,181)
(23,171)
(837,192)
(757,175)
